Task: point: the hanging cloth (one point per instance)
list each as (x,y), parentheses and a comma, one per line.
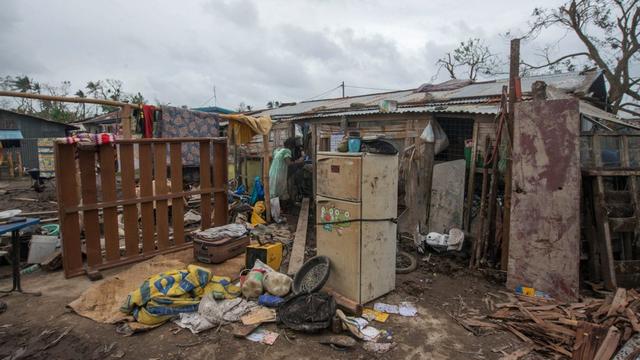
(148,112)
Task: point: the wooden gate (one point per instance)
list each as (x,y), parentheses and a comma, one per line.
(97,182)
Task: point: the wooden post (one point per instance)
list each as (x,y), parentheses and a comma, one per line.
(514,73)
(20,167)
(472,177)
(125,115)
(314,155)
(602,220)
(266,161)
(478,245)
(10,162)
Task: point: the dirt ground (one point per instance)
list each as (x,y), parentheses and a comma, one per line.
(44,328)
(439,287)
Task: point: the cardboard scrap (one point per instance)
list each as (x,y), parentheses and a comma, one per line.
(259,315)
(371,314)
(263,336)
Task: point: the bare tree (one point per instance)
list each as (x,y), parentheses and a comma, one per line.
(470,59)
(609,30)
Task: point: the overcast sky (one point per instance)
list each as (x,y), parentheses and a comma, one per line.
(252,51)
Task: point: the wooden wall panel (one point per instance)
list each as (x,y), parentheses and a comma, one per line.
(544,248)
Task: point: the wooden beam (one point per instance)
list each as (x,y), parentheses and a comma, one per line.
(514,73)
(472,178)
(125,116)
(300,241)
(68,99)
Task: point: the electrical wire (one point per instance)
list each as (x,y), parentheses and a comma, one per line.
(369,88)
(324,93)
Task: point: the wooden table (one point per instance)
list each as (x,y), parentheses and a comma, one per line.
(15,228)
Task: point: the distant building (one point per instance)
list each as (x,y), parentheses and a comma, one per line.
(22,130)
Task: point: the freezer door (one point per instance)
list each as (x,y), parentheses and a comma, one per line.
(339,177)
(341,243)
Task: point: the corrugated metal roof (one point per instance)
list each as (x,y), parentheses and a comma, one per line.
(472,98)
(11,135)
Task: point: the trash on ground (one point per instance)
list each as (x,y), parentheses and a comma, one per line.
(307,312)
(259,315)
(386,308)
(269,300)
(277,284)
(371,314)
(263,336)
(359,327)
(379,348)
(529,291)
(212,312)
(312,275)
(407,309)
(342,341)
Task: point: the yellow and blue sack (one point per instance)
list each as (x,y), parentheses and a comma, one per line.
(170,293)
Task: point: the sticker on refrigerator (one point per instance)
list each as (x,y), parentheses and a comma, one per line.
(334,217)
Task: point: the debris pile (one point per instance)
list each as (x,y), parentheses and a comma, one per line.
(593,328)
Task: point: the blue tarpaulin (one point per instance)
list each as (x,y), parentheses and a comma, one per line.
(10,135)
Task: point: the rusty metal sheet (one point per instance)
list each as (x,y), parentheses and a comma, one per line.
(544,249)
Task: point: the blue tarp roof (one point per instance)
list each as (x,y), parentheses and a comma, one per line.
(10,135)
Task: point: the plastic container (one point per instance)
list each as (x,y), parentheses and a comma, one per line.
(41,247)
(354,142)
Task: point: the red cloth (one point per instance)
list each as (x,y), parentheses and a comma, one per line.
(147,113)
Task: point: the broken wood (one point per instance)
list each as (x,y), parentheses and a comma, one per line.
(300,241)
(609,345)
(345,303)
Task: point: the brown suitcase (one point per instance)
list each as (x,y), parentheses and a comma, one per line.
(217,251)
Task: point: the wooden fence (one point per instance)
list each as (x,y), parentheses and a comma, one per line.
(91,190)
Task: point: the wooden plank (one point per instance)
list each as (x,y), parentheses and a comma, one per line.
(162,207)
(609,344)
(544,249)
(627,224)
(87,161)
(108,189)
(610,172)
(602,223)
(177,205)
(588,338)
(591,233)
(146,189)
(67,192)
(634,186)
(165,141)
(300,240)
(142,200)
(130,212)
(205,182)
(220,209)
(471,179)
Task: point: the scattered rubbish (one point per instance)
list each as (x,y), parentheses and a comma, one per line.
(405,308)
(50,229)
(212,312)
(8,214)
(30,269)
(241,330)
(252,286)
(259,315)
(528,291)
(359,327)
(340,341)
(371,314)
(269,300)
(191,217)
(586,328)
(263,336)
(41,247)
(441,242)
(386,308)
(312,275)
(379,348)
(277,284)
(630,350)
(307,312)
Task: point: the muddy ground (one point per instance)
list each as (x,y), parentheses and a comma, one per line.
(442,288)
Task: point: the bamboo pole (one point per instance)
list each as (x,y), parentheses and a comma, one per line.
(68,99)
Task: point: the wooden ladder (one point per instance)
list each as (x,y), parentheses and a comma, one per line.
(614,212)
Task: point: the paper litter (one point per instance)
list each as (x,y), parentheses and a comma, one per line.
(263,336)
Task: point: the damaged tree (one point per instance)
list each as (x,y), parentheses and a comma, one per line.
(609,30)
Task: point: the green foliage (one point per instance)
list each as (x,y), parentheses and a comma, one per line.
(108,89)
